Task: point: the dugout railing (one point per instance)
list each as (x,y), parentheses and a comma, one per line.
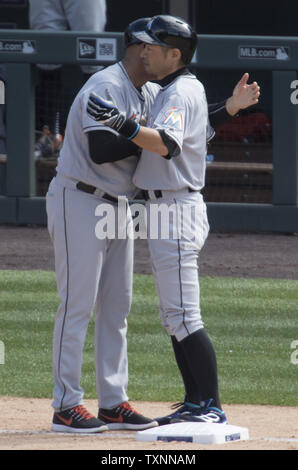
(21,50)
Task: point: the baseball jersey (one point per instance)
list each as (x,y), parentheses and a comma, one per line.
(74,160)
(181,110)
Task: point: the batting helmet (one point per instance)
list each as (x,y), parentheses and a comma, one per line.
(135,27)
(170,31)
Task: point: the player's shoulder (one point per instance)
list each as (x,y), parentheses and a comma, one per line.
(109,78)
(186,87)
(112,74)
(113,71)
(151,88)
(188,82)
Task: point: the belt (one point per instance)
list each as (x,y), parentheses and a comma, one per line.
(158,193)
(87,188)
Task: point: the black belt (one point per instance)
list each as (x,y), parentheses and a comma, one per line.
(87,188)
(158,193)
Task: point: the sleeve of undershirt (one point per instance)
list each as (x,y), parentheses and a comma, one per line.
(218,114)
(107,147)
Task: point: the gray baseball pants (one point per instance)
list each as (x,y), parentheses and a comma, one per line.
(174,258)
(92,275)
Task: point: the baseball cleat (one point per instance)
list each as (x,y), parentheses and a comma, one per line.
(185,411)
(77,420)
(124,416)
(211,415)
(208,414)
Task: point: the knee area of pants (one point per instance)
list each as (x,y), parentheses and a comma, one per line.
(182,330)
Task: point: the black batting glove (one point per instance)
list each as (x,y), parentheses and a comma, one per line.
(105,111)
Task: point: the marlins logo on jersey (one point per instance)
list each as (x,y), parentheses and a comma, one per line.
(173,117)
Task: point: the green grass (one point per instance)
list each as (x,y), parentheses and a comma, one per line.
(252,323)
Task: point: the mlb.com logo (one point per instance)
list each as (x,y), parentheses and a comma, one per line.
(87,49)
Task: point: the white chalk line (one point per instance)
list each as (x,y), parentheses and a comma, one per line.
(280,439)
(122,435)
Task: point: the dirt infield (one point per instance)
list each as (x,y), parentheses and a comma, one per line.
(26,423)
(27,426)
(238,255)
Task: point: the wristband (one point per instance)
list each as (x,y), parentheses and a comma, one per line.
(129,129)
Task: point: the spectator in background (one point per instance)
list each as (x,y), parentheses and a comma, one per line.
(62,15)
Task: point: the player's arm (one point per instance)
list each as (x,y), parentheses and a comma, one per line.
(107,147)
(218,113)
(150,139)
(244,95)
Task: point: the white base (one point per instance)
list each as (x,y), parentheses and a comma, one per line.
(201,433)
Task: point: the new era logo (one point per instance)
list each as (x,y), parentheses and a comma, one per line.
(87,49)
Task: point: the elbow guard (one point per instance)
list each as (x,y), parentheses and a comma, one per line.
(170,143)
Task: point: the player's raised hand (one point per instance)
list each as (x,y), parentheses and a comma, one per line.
(244,95)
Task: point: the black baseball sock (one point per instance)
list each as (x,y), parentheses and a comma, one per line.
(200,357)
(190,393)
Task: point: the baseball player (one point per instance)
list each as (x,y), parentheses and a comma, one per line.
(95,166)
(171,171)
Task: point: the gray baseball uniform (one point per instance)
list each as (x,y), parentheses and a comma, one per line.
(180,109)
(92,274)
